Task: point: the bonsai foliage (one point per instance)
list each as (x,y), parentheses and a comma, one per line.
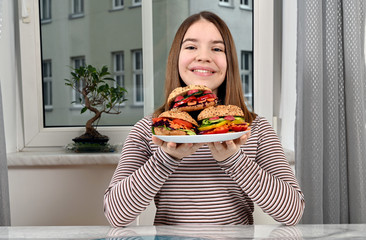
(97,95)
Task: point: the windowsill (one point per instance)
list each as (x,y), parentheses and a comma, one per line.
(135,6)
(46,21)
(226,5)
(116,9)
(60,157)
(76,15)
(246,8)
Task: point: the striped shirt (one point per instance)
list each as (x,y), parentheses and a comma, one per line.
(199,190)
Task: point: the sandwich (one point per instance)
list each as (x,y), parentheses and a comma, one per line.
(221,119)
(191,98)
(174,122)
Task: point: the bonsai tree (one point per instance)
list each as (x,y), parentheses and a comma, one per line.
(97,96)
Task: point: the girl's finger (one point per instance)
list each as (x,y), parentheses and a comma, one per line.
(230,145)
(157,141)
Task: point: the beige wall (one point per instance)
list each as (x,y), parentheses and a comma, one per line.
(68,195)
(59,195)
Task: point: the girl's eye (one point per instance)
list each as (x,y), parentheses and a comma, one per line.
(190,48)
(218,50)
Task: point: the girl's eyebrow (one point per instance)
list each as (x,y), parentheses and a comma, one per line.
(195,40)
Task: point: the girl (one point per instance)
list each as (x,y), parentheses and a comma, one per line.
(213,183)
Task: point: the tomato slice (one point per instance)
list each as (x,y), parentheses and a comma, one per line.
(189,99)
(239,128)
(192,91)
(213,118)
(182,122)
(157,119)
(230,118)
(205,97)
(178,98)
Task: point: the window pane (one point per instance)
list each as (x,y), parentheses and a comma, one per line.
(47,84)
(247,76)
(73,42)
(167,18)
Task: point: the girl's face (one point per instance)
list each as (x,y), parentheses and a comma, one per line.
(202,58)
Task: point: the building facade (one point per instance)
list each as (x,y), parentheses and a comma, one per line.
(109,32)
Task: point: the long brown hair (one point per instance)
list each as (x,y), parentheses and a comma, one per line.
(230,91)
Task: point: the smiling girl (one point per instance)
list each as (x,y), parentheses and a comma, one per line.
(212,183)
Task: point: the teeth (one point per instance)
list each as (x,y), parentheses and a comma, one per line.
(201,71)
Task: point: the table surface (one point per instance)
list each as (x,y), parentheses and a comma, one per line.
(204,232)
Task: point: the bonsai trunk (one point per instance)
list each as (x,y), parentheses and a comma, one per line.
(91,135)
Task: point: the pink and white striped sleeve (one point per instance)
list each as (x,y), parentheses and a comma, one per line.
(267,178)
(137,178)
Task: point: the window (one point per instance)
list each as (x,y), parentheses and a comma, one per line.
(47,84)
(77,8)
(119,69)
(138,78)
(246,4)
(136,2)
(246,74)
(226,3)
(70,44)
(77,98)
(117,4)
(45,11)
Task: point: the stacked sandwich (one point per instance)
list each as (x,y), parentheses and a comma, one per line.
(211,118)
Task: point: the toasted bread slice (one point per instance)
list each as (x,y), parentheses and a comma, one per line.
(220,111)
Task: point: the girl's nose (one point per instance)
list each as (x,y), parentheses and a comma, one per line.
(203,55)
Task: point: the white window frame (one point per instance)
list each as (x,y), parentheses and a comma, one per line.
(47,83)
(248,6)
(136,3)
(137,72)
(119,70)
(77,62)
(35,135)
(247,72)
(46,14)
(76,13)
(226,3)
(117,4)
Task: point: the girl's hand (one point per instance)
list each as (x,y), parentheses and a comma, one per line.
(222,150)
(177,150)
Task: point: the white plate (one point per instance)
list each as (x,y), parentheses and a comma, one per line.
(201,138)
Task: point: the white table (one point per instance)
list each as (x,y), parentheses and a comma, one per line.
(336,231)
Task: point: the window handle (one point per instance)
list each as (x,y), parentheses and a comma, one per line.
(25,12)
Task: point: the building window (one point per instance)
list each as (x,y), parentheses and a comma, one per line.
(246,73)
(136,3)
(226,3)
(119,69)
(246,4)
(77,8)
(47,84)
(117,4)
(77,98)
(45,11)
(138,78)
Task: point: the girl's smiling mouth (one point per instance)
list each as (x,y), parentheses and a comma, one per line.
(202,71)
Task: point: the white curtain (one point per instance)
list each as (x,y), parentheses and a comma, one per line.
(330,134)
